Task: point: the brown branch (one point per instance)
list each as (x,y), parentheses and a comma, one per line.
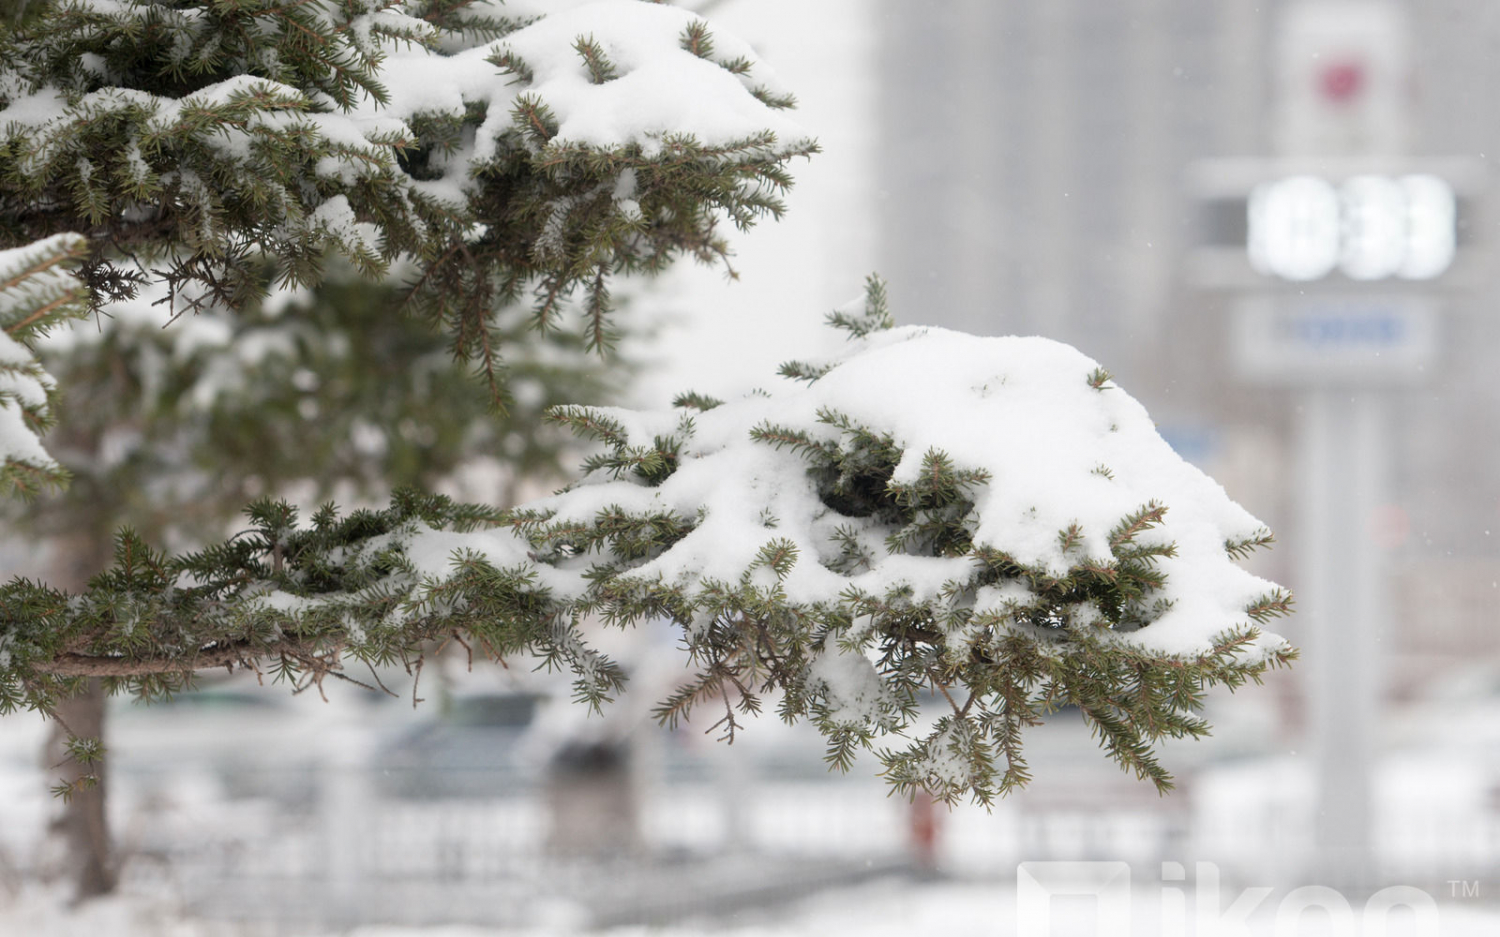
(38,268)
(943,689)
(968,704)
(416,682)
(16,328)
(466,648)
(74,664)
(537,124)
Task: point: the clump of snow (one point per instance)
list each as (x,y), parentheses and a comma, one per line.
(337,220)
(850,687)
(432,554)
(17,442)
(660,89)
(1061,453)
(28,389)
(32,282)
(624,195)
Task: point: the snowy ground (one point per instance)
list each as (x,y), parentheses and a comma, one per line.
(892,907)
(1247,811)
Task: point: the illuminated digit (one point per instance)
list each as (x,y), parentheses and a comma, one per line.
(1374,241)
(1294,228)
(1431,229)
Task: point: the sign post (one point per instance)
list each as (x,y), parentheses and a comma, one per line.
(1341,68)
(1336,243)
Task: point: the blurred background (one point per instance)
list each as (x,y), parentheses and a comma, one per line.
(1272,221)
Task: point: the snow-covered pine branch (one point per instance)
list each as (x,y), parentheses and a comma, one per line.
(991,520)
(513,156)
(37,292)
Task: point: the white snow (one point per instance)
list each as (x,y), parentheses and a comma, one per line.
(891,907)
(661,89)
(30,390)
(1024,410)
(433,552)
(17,442)
(1021,409)
(647,100)
(27,286)
(851,688)
(336,217)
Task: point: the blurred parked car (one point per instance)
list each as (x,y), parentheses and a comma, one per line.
(472,747)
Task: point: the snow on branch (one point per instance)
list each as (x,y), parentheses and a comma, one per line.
(507,155)
(990,522)
(37,292)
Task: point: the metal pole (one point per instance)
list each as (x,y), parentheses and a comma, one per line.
(1343,599)
(1343,441)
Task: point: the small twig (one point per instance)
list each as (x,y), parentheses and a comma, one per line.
(944,690)
(467,649)
(359,683)
(377,679)
(728,722)
(967,704)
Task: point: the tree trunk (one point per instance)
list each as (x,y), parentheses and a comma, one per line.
(82,825)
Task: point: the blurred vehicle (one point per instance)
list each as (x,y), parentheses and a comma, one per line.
(474,747)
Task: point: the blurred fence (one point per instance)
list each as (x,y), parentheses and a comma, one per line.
(354,852)
(349,851)
(326,836)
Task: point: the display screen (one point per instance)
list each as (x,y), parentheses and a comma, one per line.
(1367,227)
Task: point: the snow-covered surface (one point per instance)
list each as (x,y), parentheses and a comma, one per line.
(646,101)
(17,394)
(887,908)
(850,685)
(660,89)
(26,289)
(1060,452)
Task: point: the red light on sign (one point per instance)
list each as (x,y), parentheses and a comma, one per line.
(1341,82)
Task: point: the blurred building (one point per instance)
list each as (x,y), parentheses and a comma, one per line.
(1035,158)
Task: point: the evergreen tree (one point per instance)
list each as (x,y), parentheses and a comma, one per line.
(991,521)
(166,428)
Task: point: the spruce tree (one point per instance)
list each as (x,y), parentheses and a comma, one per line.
(194,409)
(165,429)
(989,521)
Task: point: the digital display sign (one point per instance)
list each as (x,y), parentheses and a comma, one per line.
(1367,227)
